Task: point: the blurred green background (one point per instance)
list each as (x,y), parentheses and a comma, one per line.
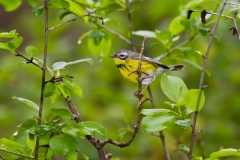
(107,97)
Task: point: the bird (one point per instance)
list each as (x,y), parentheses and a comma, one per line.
(127,64)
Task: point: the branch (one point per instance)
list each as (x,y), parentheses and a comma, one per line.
(205,58)
(28,60)
(130,25)
(15,153)
(43,74)
(116,34)
(74,19)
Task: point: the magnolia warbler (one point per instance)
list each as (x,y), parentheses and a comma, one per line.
(127,63)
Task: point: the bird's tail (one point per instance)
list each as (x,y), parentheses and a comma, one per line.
(176,67)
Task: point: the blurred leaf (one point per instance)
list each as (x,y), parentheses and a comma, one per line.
(11,34)
(73,88)
(66,93)
(28,123)
(196,66)
(99,43)
(31,50)
(63,145)
(20,64)
(33,3)
(49,89)
(83,155)
(31,141)
(62,65)
(194,99)
(62,112)
(155,112)
(83,36)
(75,131)
(13,146)
(12,44)
(183,147)
(225,153)
(165,37)
(157,123)
(43,129)
(38,10)
(29,103)
(38,61)
(74,8)
(173,87)
(93,127)
(175,26)
(184,124)
(72,156)
(144,33)
(11,5)
(90,3)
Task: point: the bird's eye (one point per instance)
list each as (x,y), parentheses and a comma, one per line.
(123,56)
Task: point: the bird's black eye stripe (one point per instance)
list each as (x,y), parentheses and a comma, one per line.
(123,56)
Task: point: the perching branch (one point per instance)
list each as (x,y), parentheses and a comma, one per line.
(74,19)
(205,58)
(15,153)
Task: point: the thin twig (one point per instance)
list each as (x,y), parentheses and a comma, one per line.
(232,3)
(15,153)
(2,157)
(212,13)
(130,25)
(116,34)
(235,23)
(28,60)
(43,74)
(161,135)
(174,48)
(74,19)
(205,58)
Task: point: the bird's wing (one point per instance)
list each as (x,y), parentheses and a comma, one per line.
(144,58)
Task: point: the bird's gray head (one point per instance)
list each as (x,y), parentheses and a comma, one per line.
(122,54)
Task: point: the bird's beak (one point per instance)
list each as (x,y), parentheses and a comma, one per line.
(113,56)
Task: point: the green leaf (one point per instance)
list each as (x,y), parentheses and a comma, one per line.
(75,131)
(20,64)
(194,99)
(63,65)
(225,152)
(155,112)
(63,145)
(83,36)
(72,156)
(83,155)
(28,123)
(38,10)
(31,141)
(66,93)
(29,103)
(175,26)
(12,44)
(196,66)
(62,112)
(90,3)
(157,123)
(73,88)
(99,43)
(42,129)
(31,50)
(74,8)
(165,37)
(13,146)
(144,33)
(11,34)
(93,127)
(33,3)
(173,87)
(49,89)
(184,124)
(183,147)
(11,5)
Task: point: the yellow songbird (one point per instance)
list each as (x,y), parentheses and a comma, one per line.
(127,63)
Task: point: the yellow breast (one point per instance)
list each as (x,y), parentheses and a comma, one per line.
(130,65)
